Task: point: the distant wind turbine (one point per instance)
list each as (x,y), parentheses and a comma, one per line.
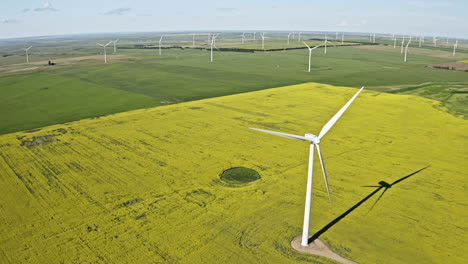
(402,44)
(263,40)
(105,54)
(455,46)
(394,42)
(289,35)
(27,54)
(213,45)
(243,37)
(115,47)
(160,41)
(314,141)
(435,41)
(299,37)
(406,49)
(310,53)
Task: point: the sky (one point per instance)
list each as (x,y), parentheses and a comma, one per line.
(25,18)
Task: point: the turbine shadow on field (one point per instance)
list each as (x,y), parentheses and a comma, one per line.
(382,185)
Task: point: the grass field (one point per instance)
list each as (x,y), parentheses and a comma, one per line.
(143,186)
(67,92)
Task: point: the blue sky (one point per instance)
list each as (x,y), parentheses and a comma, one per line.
(21,18)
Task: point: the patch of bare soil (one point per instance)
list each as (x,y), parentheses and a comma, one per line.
(319,248)
(455,66)
(110,59)
(412,51)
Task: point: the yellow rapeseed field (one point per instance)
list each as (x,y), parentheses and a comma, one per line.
(143,186)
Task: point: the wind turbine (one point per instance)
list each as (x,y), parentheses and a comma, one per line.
(243,37)
(263,40)
(435,41)
(406,49)
(310,52)
(402,44)
(394,42)
(299,37)
(27,54)
(213,44)
(455,46)
(314,141)
(326,40)
(255,33)
(105,54)
(115,47)
(289,35)
(160,41)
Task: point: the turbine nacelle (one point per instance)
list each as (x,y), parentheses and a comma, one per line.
(312,138)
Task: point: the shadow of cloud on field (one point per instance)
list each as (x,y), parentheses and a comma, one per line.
(381,185)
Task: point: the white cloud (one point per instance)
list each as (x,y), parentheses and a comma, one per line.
(45,7)
(8,21)
(425,4)
(117,11)
(343,23)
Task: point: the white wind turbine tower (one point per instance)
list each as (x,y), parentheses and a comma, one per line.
(310,53)
(299,37)
(243,37)
(435,41)
(373,40)
(160,41)
(105,53)
(263,40)
(455,46)
(115,47)
(27,54)
(314,141)
(326,41)
(213,45)
(255,33)
(406,49)
(289,35)
(402,44)
(394,42)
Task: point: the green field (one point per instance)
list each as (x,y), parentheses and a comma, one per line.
(68,92)
(144,186)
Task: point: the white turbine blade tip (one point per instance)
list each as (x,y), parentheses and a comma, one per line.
(291,136)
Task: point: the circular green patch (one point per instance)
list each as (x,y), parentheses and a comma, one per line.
(239,175)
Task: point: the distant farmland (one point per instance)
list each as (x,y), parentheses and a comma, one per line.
(34,95)
(143,186)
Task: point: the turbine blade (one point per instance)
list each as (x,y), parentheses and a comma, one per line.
(108,43)
(281,134)
(306,45)
(100,44)
(316,46)
(324,172)
(335,118)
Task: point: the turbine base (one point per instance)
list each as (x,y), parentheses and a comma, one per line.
(318,248)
